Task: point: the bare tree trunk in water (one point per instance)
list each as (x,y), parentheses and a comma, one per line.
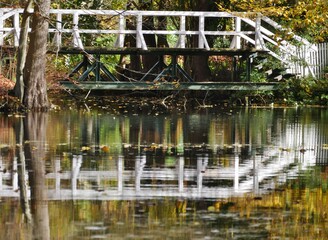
(35,97)
(35,125)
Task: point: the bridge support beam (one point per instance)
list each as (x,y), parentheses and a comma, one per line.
(92,64)
(172,71)
(161,76)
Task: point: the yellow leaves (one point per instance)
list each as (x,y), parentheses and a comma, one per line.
(55,6)
(220,7)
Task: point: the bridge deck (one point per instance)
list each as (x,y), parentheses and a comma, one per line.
(171,86)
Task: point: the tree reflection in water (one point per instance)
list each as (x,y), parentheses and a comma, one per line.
(31,133)
(252,174)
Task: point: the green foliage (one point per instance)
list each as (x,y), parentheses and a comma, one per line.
(305,91)
(87,4)
(305,17)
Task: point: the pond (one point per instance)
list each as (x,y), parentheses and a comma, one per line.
(248,173)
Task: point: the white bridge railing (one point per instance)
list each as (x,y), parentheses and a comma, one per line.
(244,30)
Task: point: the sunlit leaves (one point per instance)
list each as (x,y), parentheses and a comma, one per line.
(307,18)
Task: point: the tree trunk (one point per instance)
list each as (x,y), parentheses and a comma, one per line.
(35,96)
(134,67)
(199,64)
(148,61)
(22,52)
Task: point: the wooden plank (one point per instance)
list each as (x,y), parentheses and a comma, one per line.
(171,86)
(158,51)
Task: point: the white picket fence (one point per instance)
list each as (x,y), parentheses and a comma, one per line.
(316,60)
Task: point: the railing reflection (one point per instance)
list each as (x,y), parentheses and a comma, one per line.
(255,175)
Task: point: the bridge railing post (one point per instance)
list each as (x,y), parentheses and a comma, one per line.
(236,43)
(141,43)
(58,34)
(17,29)
(202,42)
(1,28)
(77,42)
(259,43)
(120,37)
(200,31)
(182,35)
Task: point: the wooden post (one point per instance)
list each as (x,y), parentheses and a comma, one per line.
(77,42)
(258,37)
(17,29)
(248,69)
(182,36)
(57,40)
(200,31)
(139,30)
(120,37)
(238,29)
(1,28)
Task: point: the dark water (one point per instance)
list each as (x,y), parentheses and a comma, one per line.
(233,174)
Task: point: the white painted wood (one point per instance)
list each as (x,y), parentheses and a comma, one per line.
(77,42)
(120,39)
(182,35)
(1,27)
(236,43)
(201,28)
(246,177)
(58,31)
(259,44)
(245,28)
(17,30)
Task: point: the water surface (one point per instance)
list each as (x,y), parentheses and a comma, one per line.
(228,174)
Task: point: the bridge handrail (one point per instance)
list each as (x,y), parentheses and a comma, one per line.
(6,13)
(246,26)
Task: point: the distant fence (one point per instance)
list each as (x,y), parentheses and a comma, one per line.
(316,61)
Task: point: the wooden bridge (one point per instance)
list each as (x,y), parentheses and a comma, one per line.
(246,37)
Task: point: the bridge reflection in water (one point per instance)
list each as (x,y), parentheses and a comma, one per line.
(240,156)
(180,180)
